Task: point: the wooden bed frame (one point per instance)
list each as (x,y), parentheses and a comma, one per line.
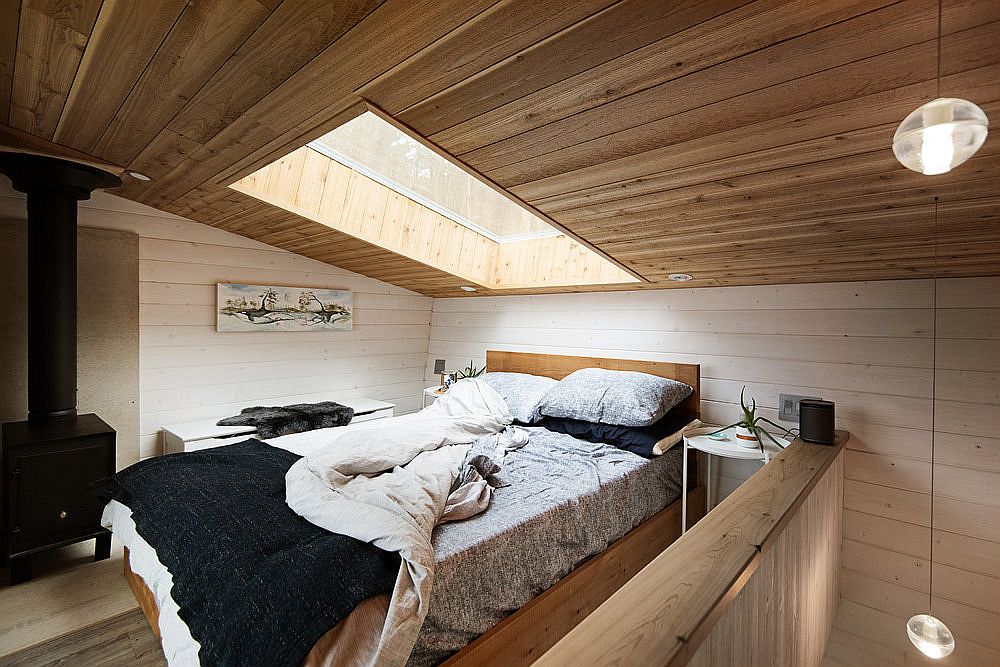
(530,631)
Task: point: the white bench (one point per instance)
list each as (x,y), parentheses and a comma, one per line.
(204,433)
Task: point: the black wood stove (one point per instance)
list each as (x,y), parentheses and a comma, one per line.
(55,461)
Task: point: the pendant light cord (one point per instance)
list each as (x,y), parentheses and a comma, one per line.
(930,575)
(930,582)
(939,48)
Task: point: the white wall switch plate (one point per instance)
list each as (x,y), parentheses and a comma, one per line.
(788,407)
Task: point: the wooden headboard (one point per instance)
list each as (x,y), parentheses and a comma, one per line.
(558,366)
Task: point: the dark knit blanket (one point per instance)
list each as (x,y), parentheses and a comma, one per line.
(256,583)
(286,419)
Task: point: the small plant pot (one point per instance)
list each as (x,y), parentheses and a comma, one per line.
(746,438)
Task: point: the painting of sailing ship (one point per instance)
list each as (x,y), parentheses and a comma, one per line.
(267,308)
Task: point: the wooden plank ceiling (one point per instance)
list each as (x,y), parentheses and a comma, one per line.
(741,142)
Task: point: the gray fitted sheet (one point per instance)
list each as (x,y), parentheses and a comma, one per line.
(565,500)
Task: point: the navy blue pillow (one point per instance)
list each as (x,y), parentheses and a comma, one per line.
(636,439)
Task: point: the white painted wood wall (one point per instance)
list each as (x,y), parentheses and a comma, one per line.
(188,371)
(868,346)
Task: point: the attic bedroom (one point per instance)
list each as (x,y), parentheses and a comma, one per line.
(496,332)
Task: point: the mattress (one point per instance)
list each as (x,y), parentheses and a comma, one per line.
(561,500)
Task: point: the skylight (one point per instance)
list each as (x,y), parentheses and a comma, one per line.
(376,183)
(385,154)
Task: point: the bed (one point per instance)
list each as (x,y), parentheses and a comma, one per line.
(544,555)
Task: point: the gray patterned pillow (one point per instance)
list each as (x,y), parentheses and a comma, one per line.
(521,391)
(620,398)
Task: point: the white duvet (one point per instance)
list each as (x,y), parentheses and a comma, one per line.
(388,482)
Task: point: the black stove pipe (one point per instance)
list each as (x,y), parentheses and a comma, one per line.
(53,188)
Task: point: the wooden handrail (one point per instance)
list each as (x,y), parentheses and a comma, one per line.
(662,615)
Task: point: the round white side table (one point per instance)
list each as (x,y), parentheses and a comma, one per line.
(431,393)
(699,440)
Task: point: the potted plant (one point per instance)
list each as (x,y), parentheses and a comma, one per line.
(471,371)
(749,431)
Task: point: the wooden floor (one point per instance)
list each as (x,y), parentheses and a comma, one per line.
(74,612)
(123,641)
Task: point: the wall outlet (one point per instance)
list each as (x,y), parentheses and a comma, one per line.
(438,366)
(788,407)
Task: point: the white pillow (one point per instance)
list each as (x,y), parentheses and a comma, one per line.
(521,392)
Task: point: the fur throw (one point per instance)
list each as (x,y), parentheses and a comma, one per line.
(283,420)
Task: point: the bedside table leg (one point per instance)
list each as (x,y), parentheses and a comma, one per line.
(102,547)
(20,569)
(708,483)
(684,490)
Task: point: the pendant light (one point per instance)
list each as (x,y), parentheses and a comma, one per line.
(927,632)
(930,636)
(941,134)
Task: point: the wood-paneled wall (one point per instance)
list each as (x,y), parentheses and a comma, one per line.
(889,547)
(868,346)
(189,371)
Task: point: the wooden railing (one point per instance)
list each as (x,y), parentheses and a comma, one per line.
(754,582)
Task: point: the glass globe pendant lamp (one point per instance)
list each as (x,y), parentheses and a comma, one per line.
(940,135)
(930,636)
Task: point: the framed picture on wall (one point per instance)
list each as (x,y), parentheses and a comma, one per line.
(269,308)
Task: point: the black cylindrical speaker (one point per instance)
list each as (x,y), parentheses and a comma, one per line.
(816,421)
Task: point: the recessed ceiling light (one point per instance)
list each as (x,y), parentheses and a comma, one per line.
(138,176)
(680,277)
(467,288)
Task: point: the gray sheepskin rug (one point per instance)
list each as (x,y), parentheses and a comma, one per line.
(283,420)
